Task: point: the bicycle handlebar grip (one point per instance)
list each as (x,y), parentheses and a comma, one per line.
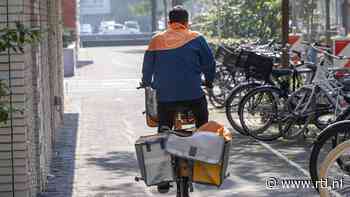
(141,86)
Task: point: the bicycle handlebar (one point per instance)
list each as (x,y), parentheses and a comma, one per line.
(142,86)
(324,50)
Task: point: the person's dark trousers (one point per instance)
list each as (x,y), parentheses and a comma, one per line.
(167,111)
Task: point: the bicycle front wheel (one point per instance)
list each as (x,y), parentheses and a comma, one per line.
(259,113)
(335,179)
(325,142)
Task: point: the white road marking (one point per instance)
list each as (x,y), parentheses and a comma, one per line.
(77,86)
(280,155)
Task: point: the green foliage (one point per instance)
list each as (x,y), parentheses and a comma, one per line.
(141,9)
(68,37)
(14,39)
(243,18)
(17,38)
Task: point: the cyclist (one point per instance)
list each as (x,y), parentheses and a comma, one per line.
(173,65)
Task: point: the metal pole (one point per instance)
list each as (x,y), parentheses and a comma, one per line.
(285,32)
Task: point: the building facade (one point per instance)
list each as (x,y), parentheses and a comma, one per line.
(36,77)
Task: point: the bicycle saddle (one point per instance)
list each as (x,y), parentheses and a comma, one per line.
(181,109)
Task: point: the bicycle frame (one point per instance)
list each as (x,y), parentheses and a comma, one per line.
(325,85)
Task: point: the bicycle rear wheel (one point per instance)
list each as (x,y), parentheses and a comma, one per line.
(182,187)
(232,103)
(182,179)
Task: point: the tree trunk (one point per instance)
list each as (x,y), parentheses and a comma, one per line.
(154,15)
(165,4)
(177,2)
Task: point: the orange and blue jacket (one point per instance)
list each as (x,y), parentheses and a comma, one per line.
(174,63)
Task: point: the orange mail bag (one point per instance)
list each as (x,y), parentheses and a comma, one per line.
(213,174)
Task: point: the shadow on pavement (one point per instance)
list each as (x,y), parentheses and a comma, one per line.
(63,162)
(82,63)
(122,163)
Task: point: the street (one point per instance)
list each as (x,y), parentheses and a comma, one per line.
(94,153)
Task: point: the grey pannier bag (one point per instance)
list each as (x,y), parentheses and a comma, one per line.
(206,147)
(154,162)
(151,102)
(151,107)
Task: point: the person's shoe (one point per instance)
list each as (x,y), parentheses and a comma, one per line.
(164,188)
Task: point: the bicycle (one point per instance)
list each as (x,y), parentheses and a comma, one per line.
(322,98)
(231,73)
(302,106)
(181,167)
(334,161)
(252,80)
(266,102)
(328,139)
(330,166)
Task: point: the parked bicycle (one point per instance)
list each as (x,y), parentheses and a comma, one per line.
(291,113)
(330,159)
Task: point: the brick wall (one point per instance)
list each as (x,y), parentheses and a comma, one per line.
(36,80)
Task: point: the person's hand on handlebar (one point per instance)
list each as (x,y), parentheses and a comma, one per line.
(208,84)
(142,85)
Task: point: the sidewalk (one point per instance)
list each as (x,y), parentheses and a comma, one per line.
(103,118)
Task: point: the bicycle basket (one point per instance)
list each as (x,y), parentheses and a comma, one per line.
(226,56)
(255,66)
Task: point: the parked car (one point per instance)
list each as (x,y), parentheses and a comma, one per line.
(132,26)
(106,26)
(86,29)
(161,25)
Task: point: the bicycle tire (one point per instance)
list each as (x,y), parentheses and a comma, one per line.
(331,157)
(224,79)
(329,133)
(345,115)
(235,123)
(182,188)
(270,90)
